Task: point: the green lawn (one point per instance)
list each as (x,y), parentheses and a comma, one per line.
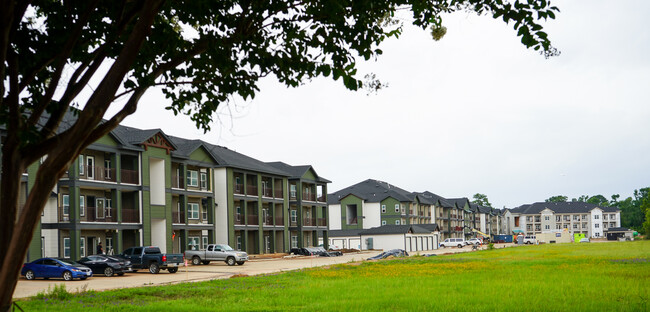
(562,277)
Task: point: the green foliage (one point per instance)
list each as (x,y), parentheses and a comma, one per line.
(490,246)
(481,199)
(645,206)
(58,292)
(556,199)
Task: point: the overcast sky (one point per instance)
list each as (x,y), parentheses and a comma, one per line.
(473,113)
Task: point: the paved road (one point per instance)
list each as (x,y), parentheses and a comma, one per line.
(192,273)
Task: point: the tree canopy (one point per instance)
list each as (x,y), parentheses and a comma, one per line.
(481,199)
(199,53)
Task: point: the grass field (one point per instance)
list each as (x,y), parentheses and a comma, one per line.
(558,277)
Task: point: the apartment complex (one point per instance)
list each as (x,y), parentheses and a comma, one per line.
(575,217)
(142,187)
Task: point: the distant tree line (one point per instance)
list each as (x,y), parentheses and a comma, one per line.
(635,211)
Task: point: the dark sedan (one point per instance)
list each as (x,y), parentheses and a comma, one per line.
(106,265)
(53,268)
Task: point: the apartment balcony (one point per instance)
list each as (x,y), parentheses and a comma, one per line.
(279,220)
(178,217)
(267,192)
(252,220)
(239,188)
(279,193)
(321,222)
(321,199)
(268,220)
(177,182)
(93,214)
(251,190)
(99,173)
(239,220)
(130,216)
(309,197)
(64,217)
(309,221)
(352,222)
(129,176)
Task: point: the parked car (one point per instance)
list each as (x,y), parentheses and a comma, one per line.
(390,253)
(474,241)
(53,268)
(107,265)
(530,239)
(451,242)
(152,259)
(584,240)
(217,252)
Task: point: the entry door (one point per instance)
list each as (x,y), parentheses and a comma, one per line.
(90,167)
(267,243)
(265,214)
(100,212)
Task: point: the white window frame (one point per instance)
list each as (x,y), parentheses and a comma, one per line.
(193,242)
(597,226)
(109,245)
(66,204)
(383,208)
(192,178)
(82,246)
(90,174)
(204,242)
(396,207)
(204,180)
(547,218)
(294,215)
(238,242)
(204,213)
(293,190)
(108,206)
(596,217)
(107,168)
(192,209)
(397,222)
(238,213)
(383,222)
(100,212)
(66,249)
(294,241)
(82,165)
(82,205)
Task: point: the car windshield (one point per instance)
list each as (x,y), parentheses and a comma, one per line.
(68,262)
(226,247)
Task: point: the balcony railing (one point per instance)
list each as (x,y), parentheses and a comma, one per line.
(322,199)
(177,182)
(279,193)
(279,220)
(99,173)
(178,217)
(130,215)
(94,214)
(353,221)
(129,176)
(267,192)
(64,217)
(239,188)
(322,222)
(268,220)
(239,219)
(308,196)
(252,220)
(251,190)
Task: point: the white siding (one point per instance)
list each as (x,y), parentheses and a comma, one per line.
(157,181)
(596,219)
(50,212)
(334,221)
(221,211)
(372,215)
(385,242)
(51,242)
(158,234)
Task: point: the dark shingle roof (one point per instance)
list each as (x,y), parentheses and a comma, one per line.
(439,200)
(229,158)
(561,207)
(372,191)
(296,172)
(618,229)
(343,233)
(401,229)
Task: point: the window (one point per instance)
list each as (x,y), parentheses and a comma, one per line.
(192,178)
(193,242)
(294,241)
(575,226)
(558,218)
(576,217)
(238,242)
(566,226)
(558,226)
(81,165)
(597,235)
(109,207)
(396,207)
(567,218)
(529,219)
(107,168)
(204,180)
(204,242)
(596,217)
(597,225)
(584,225)
(82,246)
(66,247)
(403,209)
(204,213)
(193,211)
(292,191)
(238,215)
(383,222)
(396,222)
(383,208)
(66,204)
(547,218)
(612,217)
(82,205)
(109,245)
(294,215)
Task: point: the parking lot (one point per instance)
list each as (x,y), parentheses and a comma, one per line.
(193,273)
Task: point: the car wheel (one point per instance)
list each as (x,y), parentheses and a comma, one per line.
(154,268)
(230,261)
(460,246)
(205,262)
(240,263)
(196,260)
(67,276)
(108,272)
(172,270)
(30,275)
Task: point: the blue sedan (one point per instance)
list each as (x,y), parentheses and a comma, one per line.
(53,267)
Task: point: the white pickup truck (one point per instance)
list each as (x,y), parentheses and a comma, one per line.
(217,252)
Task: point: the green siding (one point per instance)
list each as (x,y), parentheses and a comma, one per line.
(201,155)
(351,200)
(309,175)
(106,140)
